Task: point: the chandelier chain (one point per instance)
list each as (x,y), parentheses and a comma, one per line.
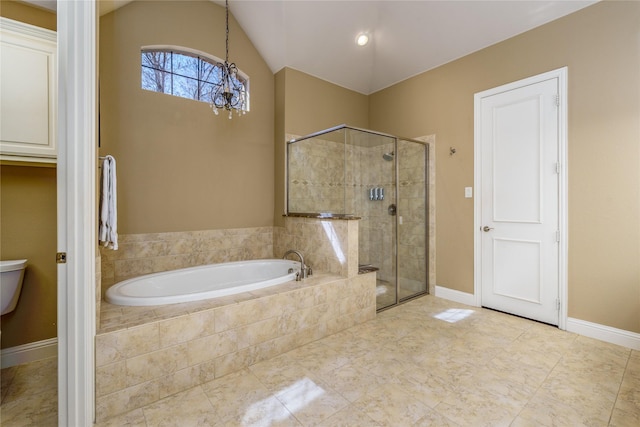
(229,93)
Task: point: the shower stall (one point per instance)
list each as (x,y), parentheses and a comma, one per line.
(383,180)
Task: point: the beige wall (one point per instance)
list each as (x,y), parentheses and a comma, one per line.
(28,230)
(601,47)
(180,167)
(23,12)
(307,104)
(28,226)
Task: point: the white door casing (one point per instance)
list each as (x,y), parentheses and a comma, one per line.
(77,229)
(520,143)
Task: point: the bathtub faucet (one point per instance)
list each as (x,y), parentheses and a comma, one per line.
(304,270)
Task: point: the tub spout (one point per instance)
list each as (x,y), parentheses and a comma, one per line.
(304,270)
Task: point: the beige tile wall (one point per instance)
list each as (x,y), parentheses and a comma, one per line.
(328,245)
(140,254)
(316,176)
(142,364)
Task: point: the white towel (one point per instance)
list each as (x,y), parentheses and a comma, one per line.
(108,230)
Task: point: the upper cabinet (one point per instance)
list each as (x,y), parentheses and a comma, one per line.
(28,94)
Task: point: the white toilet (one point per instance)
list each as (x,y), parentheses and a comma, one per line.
(11,275)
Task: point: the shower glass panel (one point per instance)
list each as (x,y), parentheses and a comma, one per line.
(412,219)
(371,178)
(381,180)
(316,174)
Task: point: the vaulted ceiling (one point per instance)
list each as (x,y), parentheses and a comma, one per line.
(317,37)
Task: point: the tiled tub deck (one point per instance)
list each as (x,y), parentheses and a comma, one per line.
(144,354)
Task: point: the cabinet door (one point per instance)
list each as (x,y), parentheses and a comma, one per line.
(27,92)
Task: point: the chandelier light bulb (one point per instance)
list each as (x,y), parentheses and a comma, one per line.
(362,39)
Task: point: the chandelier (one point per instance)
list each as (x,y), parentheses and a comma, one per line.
(229,93)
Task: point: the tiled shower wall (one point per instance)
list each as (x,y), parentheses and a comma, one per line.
(140,254)
(329,176)
(316,176)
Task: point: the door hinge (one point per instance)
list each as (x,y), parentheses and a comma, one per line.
(558,168)
(557,100)
(61,258)
(558,236)
(557,304)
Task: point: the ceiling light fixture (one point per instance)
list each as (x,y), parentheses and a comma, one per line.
(228,92)
(362,39)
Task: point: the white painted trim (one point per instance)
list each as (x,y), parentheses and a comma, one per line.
(604,333)
(28,30)
(77,160)
(457,296)
(562,75)
(26,353)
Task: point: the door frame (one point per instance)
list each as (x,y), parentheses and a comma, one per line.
(77,225)
(561,74)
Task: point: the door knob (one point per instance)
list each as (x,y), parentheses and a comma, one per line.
(486,228)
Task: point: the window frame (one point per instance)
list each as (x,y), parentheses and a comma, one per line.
(186,51)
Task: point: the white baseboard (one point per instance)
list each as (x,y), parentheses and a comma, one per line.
(588,329)
(457,296)
(604,333)
(29,352)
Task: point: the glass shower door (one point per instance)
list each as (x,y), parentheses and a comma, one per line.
(371,180)
(412,219)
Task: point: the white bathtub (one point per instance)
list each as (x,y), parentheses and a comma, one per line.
(198,283)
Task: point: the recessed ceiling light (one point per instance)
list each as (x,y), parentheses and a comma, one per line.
(362,39)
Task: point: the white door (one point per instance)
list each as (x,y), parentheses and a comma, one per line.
(519,226)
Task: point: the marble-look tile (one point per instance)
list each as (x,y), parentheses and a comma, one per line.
(236,395)
(185,328)
(434,418)
(188,408)
(622,418)
(351,381)
(349,417)
(40,375)
(126,400)
(544,412)
(311,401)
(134,418)
(7,375)
(212,346)
(390,404)
(116,346)
(35,409)
(478,409)
(428,388)
(278,373)
(153,365)
(110,378)
(629,396)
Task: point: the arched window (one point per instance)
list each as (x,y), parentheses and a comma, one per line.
(186,73)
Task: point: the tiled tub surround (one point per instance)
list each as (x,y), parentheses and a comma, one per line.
(144,354)
(328,245)
(140,254)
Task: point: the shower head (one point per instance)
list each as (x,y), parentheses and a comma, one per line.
(388,156)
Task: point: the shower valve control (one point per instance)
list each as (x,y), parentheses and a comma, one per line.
(376,193)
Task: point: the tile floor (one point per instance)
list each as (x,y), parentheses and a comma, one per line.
(429,362)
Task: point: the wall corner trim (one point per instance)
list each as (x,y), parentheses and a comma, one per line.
(457,296)
(28,352)
(604,333)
